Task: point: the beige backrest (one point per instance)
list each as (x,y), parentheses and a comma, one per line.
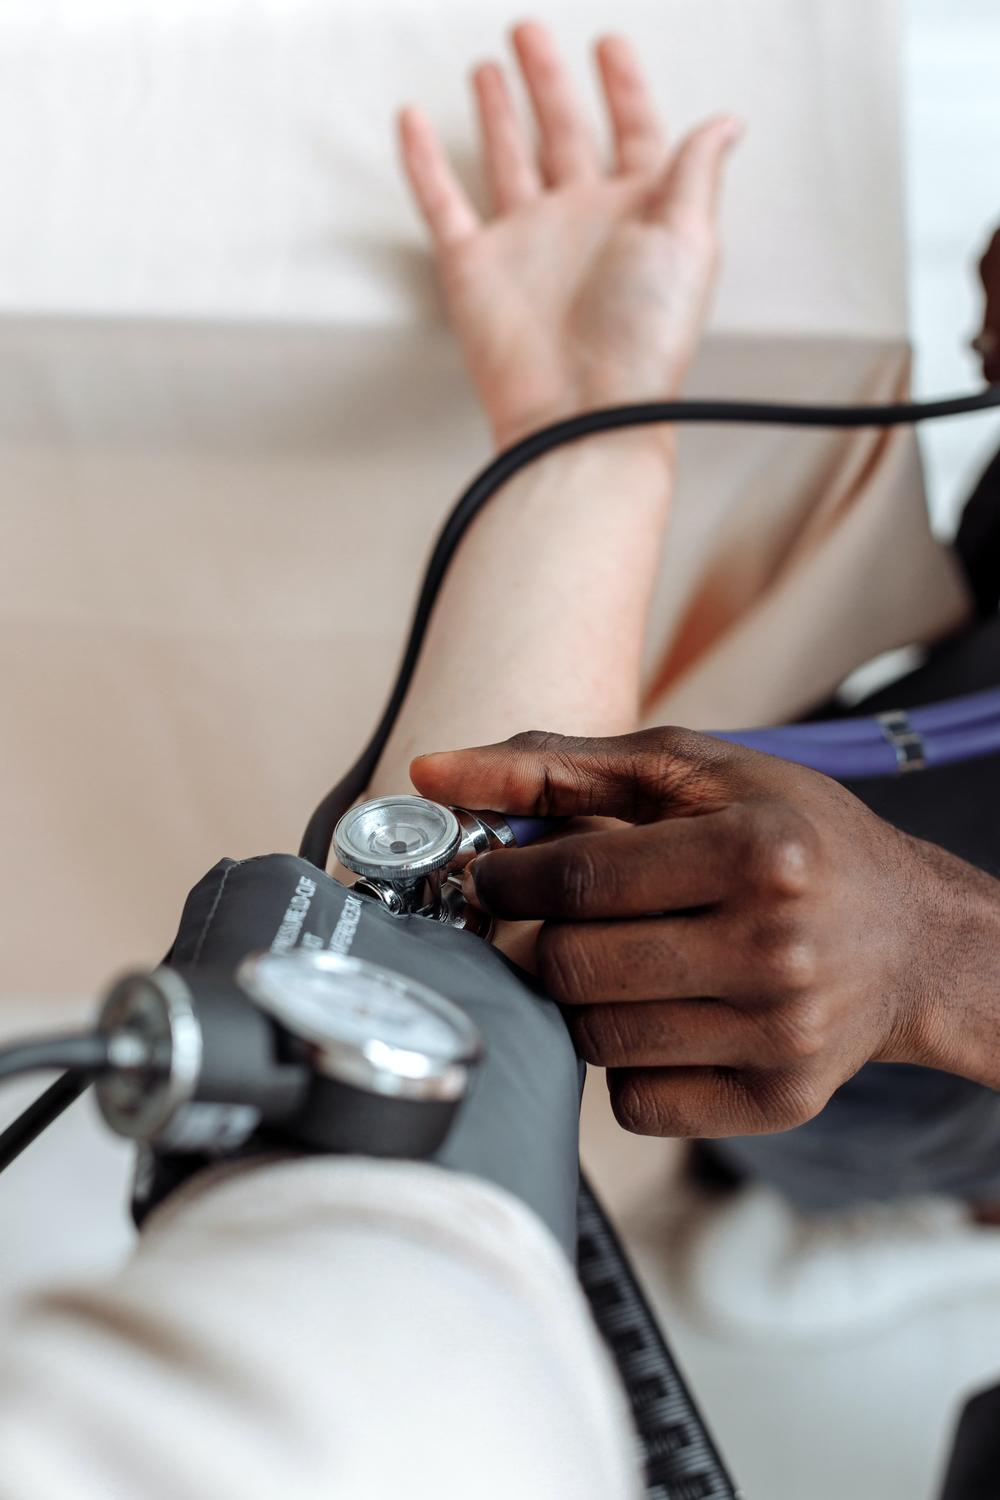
(221,158)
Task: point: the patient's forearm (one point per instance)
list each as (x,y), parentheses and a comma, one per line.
(541,619)
(585,286)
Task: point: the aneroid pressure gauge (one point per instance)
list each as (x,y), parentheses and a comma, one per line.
(391,1058)
(305,1048)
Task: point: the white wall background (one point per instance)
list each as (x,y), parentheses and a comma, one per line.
(951,134)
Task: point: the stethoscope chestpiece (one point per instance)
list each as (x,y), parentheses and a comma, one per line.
(409,853)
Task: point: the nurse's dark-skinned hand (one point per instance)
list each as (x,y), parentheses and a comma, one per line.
(754,937)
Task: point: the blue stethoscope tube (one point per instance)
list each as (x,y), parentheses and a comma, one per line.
(941,734)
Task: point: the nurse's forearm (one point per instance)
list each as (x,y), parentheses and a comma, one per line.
(541,619)
(956,1022)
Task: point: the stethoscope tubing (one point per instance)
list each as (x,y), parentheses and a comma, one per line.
(861,748)
(947,733)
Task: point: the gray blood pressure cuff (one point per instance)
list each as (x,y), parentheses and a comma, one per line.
(517,1128)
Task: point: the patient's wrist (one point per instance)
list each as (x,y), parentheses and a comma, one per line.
(658,440)
(605,465)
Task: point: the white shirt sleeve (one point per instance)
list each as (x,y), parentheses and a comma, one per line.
(320,1328)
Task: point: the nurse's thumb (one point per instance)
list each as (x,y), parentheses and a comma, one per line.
(637,777)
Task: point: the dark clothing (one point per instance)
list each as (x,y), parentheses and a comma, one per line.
(957,807)
(978,541)
(974,1466)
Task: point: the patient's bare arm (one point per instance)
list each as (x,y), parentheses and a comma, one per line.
(587,286)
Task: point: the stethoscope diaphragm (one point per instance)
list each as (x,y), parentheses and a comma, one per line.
(399,839)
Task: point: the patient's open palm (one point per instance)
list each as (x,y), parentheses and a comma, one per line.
(585,288)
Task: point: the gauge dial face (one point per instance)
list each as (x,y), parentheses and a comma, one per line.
(397,838)
(376,1028)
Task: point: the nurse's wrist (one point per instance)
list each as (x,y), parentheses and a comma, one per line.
(957,969)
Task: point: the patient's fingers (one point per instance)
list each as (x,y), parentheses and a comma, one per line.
(568,148)
(513,176)
(441,197)
(640,140)
(689,194)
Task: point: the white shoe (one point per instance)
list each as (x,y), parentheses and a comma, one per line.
(755,1269)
